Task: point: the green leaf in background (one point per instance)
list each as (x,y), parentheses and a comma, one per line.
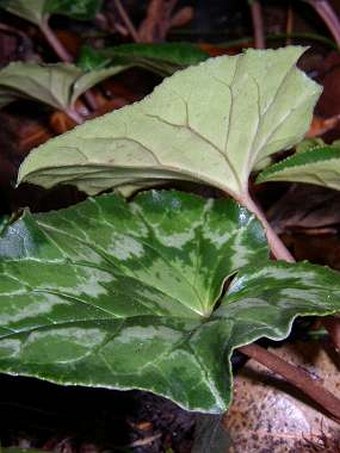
(210,123)
(178,53)
(124,296)
(90,58)
(319,165)
(57,85)
(91,78)
(164,59)
(31,10)
(35,11)
(77,9)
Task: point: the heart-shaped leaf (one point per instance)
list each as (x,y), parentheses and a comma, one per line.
(212,122)
(105,281)
(122,295)
(57,85)
(319,165)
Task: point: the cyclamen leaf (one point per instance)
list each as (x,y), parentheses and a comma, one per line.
(50,84)
(164,59)
(77,9)
(319,165)
(177,53)
(90,58)
(210,123)
(123,296)
(91,78)
(31,10)
(123,291)
(57,85)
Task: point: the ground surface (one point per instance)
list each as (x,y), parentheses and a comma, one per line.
(37,414)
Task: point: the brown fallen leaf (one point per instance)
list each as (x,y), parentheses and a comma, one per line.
(61,123)
(70,40)
(329,74)
(109,105)
(269,415)
(31,134)
(305,207)
(182,17)
(321,125)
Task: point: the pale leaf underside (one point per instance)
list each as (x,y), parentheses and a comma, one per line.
(31,10)
(210,123)
(50,84)
(57,85)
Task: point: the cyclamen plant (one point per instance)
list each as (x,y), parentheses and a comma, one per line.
(66,86)
(157,292)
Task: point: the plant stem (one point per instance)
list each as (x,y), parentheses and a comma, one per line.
(329,16)
(279,250)
(257,18)
(54,42)
(300,378)
(289,23)
(74,115)
(64,56)
(127,22)
(91,100)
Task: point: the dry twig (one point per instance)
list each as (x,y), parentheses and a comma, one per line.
(296,376)
(257,18)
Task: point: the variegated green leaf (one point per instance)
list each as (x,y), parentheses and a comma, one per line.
(124,296)
(77,9)
(319,165)
(212,122)
(162,58)
(110,294)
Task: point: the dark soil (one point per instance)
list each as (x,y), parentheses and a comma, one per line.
(39,414)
